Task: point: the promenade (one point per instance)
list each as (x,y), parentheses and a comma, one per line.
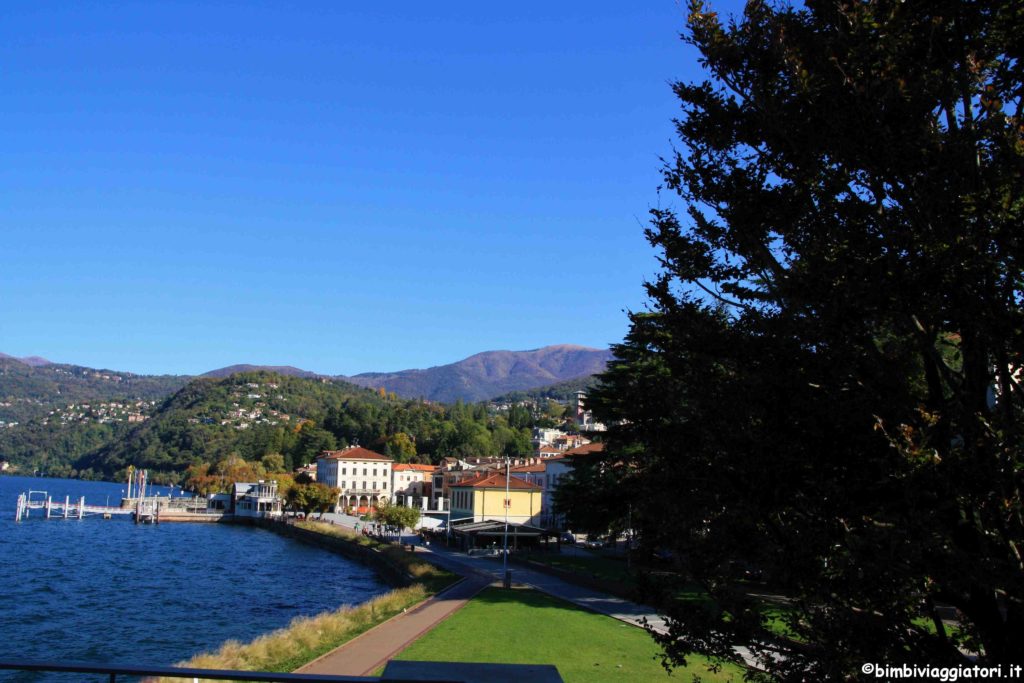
(373,649)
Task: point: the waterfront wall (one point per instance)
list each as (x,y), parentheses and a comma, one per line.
(394,574)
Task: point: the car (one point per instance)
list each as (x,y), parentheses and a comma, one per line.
(593,542)
(568,538)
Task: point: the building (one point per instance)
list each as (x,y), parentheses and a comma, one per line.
(584,418)
(256,500)
(247,499)
(483,498)
(410,484)
(532,473)
(364,477)
(554,470)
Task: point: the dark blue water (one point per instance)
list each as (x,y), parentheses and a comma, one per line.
(102,591)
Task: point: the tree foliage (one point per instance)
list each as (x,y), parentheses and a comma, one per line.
(309,498)
(397,516)
(825,386)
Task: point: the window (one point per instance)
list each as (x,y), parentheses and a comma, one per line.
(343,484)
(375,471)
(364,471)
(385,486)
(343,470)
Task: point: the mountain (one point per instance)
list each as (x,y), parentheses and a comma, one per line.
(33,361)
(51,413)
(247,413)
(255,414)
(29,390)
(286,370)
(491,373)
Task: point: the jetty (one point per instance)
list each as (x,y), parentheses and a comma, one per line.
(255,499)
(68,509)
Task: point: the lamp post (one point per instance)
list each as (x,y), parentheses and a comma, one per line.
(508,502)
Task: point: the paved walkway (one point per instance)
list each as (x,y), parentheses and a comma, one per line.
(388,639)
(371,650)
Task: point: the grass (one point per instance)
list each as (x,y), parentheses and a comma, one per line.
(432,577)
(526,627)
(596,566)
(307,638)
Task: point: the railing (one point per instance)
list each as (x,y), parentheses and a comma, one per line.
(115,670)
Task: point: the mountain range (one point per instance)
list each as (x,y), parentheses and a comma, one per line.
(488,374)
(70,420)
(477,378)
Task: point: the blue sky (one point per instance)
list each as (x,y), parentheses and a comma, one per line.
(342,187)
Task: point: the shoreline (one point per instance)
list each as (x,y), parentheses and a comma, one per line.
(306,639)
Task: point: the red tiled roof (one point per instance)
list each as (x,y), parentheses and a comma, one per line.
(495,481)
(586,449)
(354,453)
(405,467)
(529,468)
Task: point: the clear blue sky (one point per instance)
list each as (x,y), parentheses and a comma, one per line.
(338,186)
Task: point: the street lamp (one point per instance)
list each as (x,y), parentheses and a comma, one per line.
(508,503)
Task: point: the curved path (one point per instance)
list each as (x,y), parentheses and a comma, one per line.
(371,650)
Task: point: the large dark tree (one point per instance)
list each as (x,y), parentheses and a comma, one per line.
(825,388)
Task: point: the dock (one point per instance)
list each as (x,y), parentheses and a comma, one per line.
(150,510)
(68,509)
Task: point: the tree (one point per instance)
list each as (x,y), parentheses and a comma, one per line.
(400,446)
(825,387)
(273,462)
(397,516)
(314,497)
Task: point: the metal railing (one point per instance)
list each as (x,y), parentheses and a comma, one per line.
(115,670)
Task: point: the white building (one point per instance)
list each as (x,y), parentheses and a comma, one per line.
(256,500)
(554,470)
(363,476)
(410,484)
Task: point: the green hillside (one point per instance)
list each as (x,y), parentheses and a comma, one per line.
(28,393)
(52,414)
(259,413)
(562,392)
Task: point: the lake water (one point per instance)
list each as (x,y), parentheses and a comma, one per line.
(102,591)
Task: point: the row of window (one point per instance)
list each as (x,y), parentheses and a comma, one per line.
(355,470)
(384,485)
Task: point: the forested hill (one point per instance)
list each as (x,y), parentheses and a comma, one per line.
(491,373)
(30,390)
(562,391)
(255,414)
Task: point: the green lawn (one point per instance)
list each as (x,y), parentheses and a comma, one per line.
(526,627)
(597,566)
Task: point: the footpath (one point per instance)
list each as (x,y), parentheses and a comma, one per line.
(371,650)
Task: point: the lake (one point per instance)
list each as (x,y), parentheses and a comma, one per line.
(101,591)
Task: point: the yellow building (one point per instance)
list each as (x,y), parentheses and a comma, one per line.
(482,498)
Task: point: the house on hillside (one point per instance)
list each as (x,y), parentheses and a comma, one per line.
(363,476)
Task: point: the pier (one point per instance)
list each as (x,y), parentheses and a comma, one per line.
(66,509)
(150,510)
